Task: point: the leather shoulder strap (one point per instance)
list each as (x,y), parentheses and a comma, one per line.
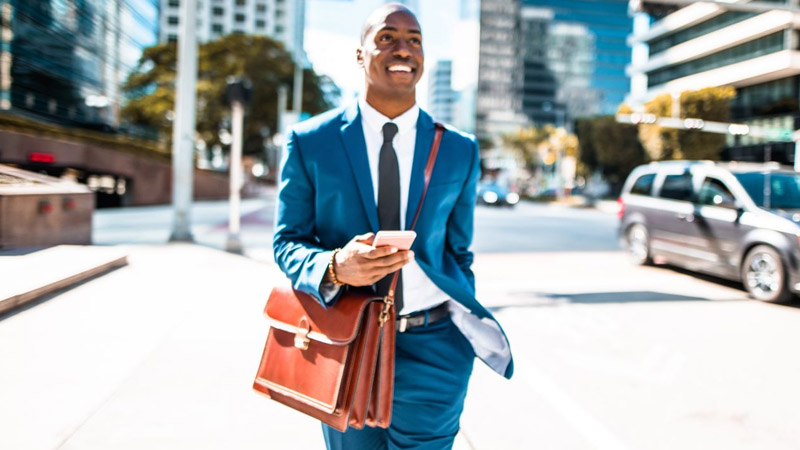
(437,139)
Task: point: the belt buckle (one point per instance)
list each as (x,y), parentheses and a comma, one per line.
(403,326)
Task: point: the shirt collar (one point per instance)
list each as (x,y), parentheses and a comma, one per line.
(375,120)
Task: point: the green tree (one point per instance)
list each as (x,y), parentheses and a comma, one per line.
(587,153)
(527,143)
(612,147)
(151,88)
(712,104)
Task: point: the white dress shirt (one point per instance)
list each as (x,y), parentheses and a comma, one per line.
(419,292)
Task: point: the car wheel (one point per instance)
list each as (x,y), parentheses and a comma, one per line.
(764,276)
(638,243)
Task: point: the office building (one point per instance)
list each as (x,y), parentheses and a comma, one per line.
(498,106)
(588,51)
(705,45)
(66,61)
(549,62)
(282,20)
(441,96)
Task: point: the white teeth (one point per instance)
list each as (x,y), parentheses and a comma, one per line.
(398,68)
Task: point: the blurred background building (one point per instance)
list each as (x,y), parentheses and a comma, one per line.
(64,61)
(703,45)
(441,96)
(282,20)
(549,62)
(499,103)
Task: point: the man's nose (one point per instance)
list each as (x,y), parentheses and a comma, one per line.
(401,49)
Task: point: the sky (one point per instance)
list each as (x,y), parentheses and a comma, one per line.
(332,37)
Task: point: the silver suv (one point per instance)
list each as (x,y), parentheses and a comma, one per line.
(739,221)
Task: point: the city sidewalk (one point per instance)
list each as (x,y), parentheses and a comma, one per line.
(159,354)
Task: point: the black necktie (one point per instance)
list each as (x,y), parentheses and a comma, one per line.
(389,202)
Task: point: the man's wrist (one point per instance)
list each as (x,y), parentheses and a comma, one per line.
(331,275)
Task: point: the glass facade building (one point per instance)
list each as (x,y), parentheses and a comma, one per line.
(549,62)
(65,60)
(591,36)
(440,91)
(705,45)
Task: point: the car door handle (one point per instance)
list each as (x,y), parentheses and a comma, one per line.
(686,217)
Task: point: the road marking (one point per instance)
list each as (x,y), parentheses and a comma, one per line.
(591,429)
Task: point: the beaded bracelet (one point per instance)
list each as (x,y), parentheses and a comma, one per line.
(331,271)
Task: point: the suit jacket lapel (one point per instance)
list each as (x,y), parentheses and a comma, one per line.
(356,150)
(422,148)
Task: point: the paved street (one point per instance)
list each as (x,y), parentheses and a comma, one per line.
(161,354)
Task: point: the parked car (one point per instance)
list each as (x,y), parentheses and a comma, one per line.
(739,221)
(493,193)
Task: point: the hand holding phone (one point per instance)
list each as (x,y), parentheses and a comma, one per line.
(401,240)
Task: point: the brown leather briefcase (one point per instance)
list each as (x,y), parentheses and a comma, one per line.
(334,364)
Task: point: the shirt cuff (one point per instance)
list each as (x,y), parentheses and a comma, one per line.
(329,291)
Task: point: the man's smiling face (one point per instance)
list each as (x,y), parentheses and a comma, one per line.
(391,54)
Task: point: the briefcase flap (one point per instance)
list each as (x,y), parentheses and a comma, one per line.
(296,312)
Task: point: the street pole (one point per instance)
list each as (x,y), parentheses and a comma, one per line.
(299,26)
(238,95)
(234,242)
(183,129)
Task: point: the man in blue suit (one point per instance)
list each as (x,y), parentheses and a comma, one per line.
(353,171)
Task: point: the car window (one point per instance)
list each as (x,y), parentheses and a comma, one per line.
(644,184)
(677,187)
(714,192)
(778,190)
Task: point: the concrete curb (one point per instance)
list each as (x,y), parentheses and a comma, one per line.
(29,277)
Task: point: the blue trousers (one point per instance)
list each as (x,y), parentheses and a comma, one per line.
(432,369)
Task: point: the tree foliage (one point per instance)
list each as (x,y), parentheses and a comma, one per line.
(540,144)
(151,88)
(611,147)
(711,104)
(526,143)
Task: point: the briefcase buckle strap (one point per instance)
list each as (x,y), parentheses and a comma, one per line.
(388,301)
(301,339)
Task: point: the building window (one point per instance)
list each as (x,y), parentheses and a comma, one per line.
(721,21)
(238,32)
(261,24)
(172,20)
(217,11)
(261,7)
(279,29)
(279,13)
(172,38)
(759,47)
(241,2)
(217,28)
(174,3)
(240,17)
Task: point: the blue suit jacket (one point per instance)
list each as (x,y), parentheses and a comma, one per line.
(326,198)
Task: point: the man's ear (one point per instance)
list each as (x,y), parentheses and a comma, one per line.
(360,57)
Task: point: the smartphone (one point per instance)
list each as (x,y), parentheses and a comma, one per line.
(398,239)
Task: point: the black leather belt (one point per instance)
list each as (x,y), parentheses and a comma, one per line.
(422,318)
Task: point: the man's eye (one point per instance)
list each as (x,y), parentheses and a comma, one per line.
(415,41)
(385,38)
